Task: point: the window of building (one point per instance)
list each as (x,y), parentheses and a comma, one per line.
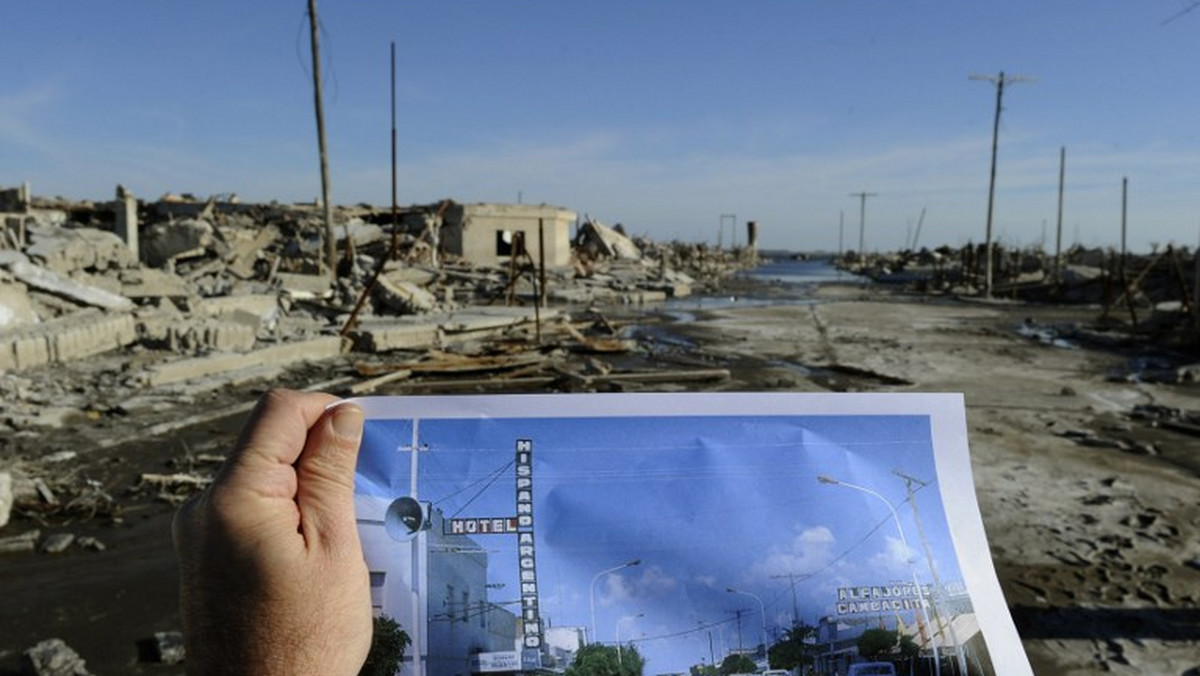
(510,242)
(378,578)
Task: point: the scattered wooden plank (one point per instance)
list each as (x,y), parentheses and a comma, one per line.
(374,383)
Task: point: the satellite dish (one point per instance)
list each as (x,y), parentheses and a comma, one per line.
(405,518)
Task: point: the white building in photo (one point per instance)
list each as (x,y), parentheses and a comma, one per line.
(456,620)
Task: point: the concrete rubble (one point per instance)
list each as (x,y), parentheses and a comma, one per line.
(6,498)
(1154,294)
(53,657)
(129,310)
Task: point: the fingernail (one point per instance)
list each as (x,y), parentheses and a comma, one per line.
(347,421)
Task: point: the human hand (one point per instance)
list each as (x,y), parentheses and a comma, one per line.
(272,577)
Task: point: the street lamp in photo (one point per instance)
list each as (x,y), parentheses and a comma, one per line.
(592,591)
(826,479)
(762,611)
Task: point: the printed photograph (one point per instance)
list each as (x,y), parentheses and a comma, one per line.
(663,534)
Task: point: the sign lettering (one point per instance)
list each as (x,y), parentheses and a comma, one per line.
(882,598)
(482,526)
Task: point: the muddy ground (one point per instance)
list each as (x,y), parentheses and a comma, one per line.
(1093,514)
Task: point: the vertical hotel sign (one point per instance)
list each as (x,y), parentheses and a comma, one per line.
(531,622)
(522,526)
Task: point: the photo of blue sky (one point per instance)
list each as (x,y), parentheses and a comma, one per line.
(706,503)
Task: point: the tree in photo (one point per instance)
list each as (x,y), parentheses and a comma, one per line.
(878,644)
(737,664)
(605,660)
(795,649)
(388,643)
(909,649)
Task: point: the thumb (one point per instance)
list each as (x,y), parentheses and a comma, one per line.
(325,477)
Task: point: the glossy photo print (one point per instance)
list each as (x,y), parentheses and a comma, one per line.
(680,534)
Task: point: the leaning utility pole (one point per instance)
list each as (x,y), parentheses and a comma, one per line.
(939,590)
(330,237)
(999,80)
(862,221)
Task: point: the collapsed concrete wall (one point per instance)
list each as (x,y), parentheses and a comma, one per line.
(599,239)
(77,336)
(66,250)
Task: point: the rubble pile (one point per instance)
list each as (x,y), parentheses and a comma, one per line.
(1155,292)
(115,316)
(196,288)
(1082,274)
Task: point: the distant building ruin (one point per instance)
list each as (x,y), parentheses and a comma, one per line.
(489,234)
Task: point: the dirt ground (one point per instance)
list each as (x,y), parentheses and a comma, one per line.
(1096,548)
(1093,515)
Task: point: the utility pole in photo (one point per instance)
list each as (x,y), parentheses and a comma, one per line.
(998,80)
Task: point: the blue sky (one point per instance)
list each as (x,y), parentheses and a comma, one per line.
(706,504)
(659,115)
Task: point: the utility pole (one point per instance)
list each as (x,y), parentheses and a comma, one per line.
(998,80)
(418,573)
(862,221)
(738,613)
(1062,171)
(917,235)
(1124,211)
(792,579)
(330,238)
(939,591)
(395,205)
(841,233)
(732,231)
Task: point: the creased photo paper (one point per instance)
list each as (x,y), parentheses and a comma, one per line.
(508,533)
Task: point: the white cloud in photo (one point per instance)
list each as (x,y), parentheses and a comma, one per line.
(650,582)
(810,550)
(895,560)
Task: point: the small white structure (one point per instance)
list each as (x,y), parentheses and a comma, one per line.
(488,234)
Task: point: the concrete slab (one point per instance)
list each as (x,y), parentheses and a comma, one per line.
(317,349)
(51,282)
(245,248)
(436,329)
(6,498)
(163,242)
(403,296)
(492,318)
(263,305)
(15,308)
(145,283)
(66,250)
(399,334)
(304,286)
